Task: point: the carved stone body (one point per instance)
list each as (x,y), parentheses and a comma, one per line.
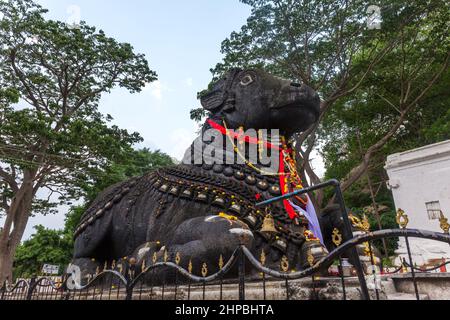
(178,209)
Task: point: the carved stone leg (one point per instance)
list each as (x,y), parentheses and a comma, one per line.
(197,241)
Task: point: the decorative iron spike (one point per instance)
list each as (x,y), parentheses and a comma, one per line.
(166,256)
(365,224)
(220,262)
(443,223)
(402,218)
(105,266)
(310,258)
(366,249)
(336,237)
(204,270)
(113,265)
(190,266)
(143,266)
(404,268)
(284,264)
(178,258)
(262,258)
(97,270)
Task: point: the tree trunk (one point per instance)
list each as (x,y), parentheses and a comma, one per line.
(6,264)
(14,227)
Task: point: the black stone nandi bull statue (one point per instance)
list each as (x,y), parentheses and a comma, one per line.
(203,210)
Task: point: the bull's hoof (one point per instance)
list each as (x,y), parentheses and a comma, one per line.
(312,252)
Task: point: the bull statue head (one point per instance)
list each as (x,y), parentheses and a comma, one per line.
(253,98)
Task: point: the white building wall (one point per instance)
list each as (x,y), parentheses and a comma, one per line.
(416,177)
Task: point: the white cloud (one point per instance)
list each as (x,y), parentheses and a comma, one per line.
(317,163)
(189,82)
(181,139)
(157,89)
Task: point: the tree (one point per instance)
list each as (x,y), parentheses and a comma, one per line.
(55,138)
(46,246)
(56,246)
(358,122)
(330,46)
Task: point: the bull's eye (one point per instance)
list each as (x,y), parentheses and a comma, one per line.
(246,80)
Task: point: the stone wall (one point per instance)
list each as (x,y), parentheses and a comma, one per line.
(416,177)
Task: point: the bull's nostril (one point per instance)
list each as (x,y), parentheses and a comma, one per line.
(295,84)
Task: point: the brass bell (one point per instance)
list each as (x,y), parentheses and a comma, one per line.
(268,225)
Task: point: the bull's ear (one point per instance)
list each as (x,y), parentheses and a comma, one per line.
(212,100)
(220,91)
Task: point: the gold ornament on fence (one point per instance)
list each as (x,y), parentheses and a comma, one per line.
(262,258)
(166,256)
(154,258)
(404,268)
(220,262)
(310,258)
(336,237)
(356,222)
(402,218)
(366,249)
(177,258)
(143,266)
(284,264)
(113,265)
(97,271)
(120,268)
(204,270)
(443,223)
(365,224)
(190,266)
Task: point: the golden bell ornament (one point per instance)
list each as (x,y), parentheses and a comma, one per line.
(268,225)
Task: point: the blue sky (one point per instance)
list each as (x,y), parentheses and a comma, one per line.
(181,40)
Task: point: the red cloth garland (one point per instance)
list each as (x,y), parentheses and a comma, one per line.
(287,206)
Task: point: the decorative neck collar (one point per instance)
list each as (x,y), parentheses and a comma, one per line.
(240,136)
(284,156)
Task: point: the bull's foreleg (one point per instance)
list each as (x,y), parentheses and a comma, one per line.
(197,242)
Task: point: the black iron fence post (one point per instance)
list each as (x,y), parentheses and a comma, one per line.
(129,274)
(3,290)
(241,270)
(347,225)
(341,274)
(411,265)
(349,234)
(374,272)
(31,288)
(402,220)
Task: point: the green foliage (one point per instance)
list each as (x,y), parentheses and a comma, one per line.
(45,246)
(198,114)
(52,136)
(56,75)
